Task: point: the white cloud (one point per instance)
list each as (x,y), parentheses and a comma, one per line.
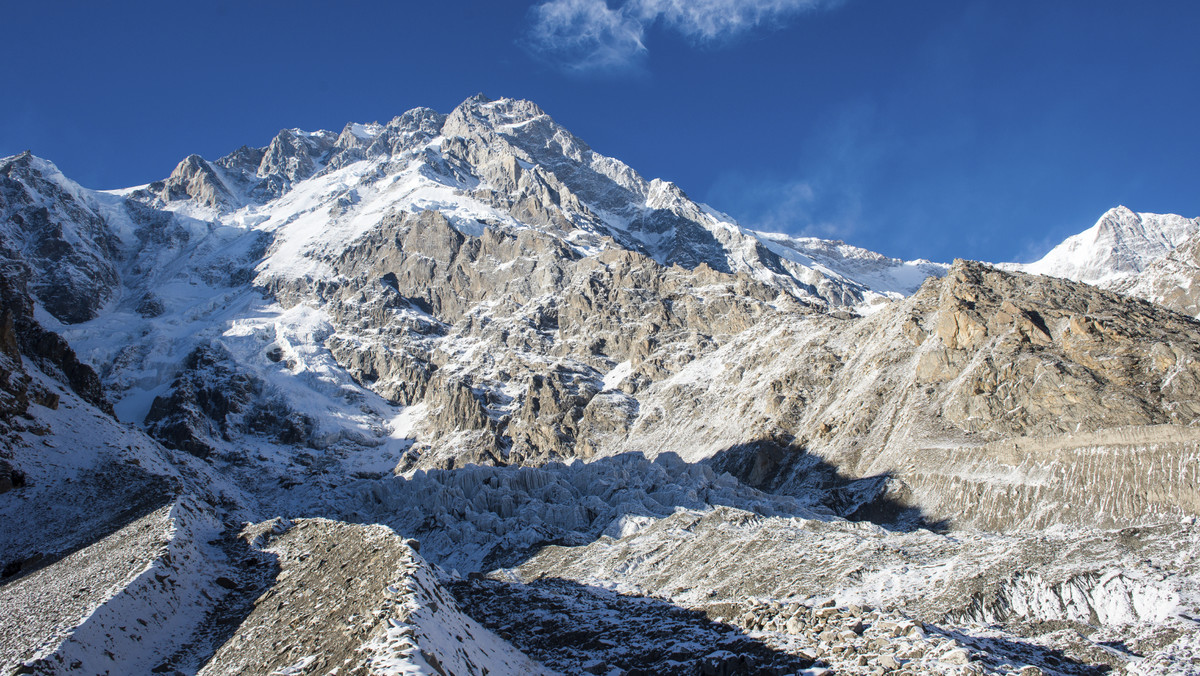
(586,34)
(589,35)
(717,19)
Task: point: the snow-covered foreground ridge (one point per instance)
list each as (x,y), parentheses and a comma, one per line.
(625,432)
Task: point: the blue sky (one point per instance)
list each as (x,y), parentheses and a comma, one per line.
(934,128)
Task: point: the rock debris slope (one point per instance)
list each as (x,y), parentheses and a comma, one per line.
(627,434)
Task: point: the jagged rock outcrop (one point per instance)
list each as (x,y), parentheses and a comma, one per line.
(926,392)
(195,179)
(212,399)
(22,337)
(292,156)
(416,288)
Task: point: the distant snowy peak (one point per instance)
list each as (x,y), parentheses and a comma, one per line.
(1172,281)
(1120,245)
(888,276)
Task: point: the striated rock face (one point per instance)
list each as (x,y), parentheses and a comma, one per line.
(1109,361)
(195,179)
(1036,361)
(416,290)
(923,395)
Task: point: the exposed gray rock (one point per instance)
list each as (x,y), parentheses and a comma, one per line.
(195,179)
(211,399)
(21,334)
(48,223)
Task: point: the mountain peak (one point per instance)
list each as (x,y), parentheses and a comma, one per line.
(1121,244)
(505,163)
(493,114)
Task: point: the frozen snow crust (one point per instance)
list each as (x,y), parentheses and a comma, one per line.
(625,434)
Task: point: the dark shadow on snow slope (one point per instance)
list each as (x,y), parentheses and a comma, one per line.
(1051,660)
(577,628)
(514,512)
(779,467)
(565,624)
(42,524)
(253,573)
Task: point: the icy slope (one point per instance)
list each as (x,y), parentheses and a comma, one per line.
(157,569)
(890,277)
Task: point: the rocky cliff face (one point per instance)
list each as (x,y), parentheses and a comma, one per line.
(590,395)
(50,226)
(972,361)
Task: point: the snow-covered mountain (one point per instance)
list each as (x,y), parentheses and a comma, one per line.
(1120,245)
(1172,280)
(1140,254)
(629,433)
(503,165)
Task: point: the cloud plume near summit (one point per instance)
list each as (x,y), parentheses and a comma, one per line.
(589,35)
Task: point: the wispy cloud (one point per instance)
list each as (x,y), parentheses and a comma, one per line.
(589,35)
(586,34)
(796,206)
(824,193)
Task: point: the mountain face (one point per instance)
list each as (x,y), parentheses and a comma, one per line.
(1141,255)
(456,393)
(1170,280)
